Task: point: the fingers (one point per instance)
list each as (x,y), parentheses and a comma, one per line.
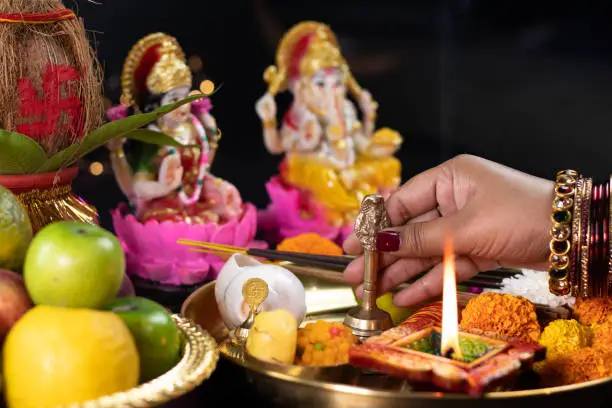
(417,240)
(417,196)
(401,271)
(353,273)
(352,246)
(397,273)
(430,285)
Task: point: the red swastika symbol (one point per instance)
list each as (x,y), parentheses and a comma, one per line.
(57,111)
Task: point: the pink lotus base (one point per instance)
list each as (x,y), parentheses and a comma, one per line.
(285,218)
(153,254)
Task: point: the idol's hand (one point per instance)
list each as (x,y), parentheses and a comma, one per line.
(367,104)
(171,172)
(115,144)
(495,215)
(266,108)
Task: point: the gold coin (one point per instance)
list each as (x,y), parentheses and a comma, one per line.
(207,87)
(255,291)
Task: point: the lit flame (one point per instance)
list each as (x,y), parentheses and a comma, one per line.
(450,316)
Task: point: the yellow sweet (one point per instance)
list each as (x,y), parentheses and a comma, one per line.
(273,337)
(323,343)
(57,356)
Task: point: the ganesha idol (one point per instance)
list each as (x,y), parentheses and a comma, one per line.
(171,192)
(333,155)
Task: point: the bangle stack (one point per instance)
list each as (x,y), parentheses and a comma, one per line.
(580,248)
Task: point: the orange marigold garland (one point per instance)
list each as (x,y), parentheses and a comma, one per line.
(310,243)
(593,310)
(507,315)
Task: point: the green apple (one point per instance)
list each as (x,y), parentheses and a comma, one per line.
(73,264)
(156,335)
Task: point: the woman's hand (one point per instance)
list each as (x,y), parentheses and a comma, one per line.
(496,216)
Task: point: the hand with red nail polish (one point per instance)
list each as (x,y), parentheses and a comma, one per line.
(496,216)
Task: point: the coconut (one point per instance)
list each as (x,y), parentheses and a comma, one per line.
(49,76)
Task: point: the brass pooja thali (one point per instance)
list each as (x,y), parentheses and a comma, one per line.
(345,385)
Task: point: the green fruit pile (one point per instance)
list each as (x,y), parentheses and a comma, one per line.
(80,267)
(15,231)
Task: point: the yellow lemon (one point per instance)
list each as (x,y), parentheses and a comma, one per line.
(58,356)
(385,302)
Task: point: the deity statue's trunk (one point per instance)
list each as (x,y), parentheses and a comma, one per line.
(49,76)
(51,92)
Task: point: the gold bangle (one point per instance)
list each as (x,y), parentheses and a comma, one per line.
(585,238)
(270,123)
(574,272)
(339,144)
(560,233)
(117,153)
(609,287)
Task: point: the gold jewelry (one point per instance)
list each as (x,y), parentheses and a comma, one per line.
(609,287)
(270,123)
(576,234)
(585,238)
(560,232)
(323,51)
(372,117)
(169,72)
(335,130)
(339,144)
(117,153)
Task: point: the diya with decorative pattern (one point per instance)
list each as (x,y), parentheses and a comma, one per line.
(430,348)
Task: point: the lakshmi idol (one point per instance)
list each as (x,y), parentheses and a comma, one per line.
(170,189)
(333,155)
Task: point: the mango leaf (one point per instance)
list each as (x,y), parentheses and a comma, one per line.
(109,131)
(153,137)
(57,161)
(19,154)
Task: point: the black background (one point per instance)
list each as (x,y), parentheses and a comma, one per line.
(524,83)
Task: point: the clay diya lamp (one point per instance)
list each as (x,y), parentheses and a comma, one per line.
(447,358)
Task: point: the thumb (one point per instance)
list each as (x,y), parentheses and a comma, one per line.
(416,240)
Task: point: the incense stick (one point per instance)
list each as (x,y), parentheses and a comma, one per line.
(328,267)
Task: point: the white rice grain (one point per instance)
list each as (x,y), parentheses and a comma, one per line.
(533,286)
